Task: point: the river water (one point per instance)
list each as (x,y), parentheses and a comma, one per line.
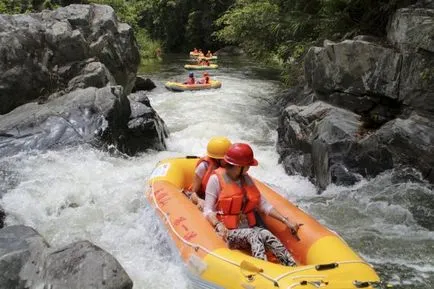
(83,193)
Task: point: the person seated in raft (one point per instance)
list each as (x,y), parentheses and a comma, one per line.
(215,151)
(195,51)
(204,62)
(191,79)
(205,79)
(208,54)
(231,198)
(201,53)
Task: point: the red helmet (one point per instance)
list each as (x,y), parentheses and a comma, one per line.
(240,154)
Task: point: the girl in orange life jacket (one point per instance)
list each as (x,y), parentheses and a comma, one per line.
(230,200)
(215,151)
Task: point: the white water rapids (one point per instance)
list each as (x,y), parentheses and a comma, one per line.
(82,193)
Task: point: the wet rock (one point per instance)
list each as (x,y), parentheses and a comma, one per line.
(412,29)
(320,130)
(100,117)
(2,217)
(417,82)
(27,261)
(353,67)
(19,245)
(298,163)
(45,52)
(399,142)
(85,115)
(342,176)
(94,74)
(84,265)
(146,130)
(143,83)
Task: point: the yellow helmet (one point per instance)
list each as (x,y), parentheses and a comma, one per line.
(217,147)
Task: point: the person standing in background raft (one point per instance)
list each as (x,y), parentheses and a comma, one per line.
(215,152)
(231,199)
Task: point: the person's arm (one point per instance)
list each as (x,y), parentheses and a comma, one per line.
(268,209)
(197,182)
(211,196)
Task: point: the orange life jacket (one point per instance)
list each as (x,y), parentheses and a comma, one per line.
(212,165)
(190,81)
(230,204)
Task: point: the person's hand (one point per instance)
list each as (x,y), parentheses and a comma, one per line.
(200,204)
(293,228)
(221,230)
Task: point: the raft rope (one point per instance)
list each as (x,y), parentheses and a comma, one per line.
(313,267)
(196,246)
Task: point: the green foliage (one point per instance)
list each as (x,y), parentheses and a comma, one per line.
(279,31)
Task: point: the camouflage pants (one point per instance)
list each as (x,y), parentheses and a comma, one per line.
(258,240)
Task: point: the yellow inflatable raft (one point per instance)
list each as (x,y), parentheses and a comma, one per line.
(200,67)
(323,259)
(178,86)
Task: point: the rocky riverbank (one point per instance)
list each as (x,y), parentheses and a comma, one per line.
(367,106)
(66,79)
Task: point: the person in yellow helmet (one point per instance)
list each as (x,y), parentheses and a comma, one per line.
(215,152)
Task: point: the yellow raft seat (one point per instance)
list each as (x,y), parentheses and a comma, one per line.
(323,259)
(178,86)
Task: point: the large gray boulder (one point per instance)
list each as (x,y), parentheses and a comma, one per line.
(417,82)
(19,245)
(412,29)
(27,261)
(145,127)
(318,135)
(353,67)
(45,52)
(84,265)
(407,141)
(388,87)
(91,115)
(330,145)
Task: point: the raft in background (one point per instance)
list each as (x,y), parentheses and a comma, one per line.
(178,86)
(323,258)
(200,67)
(196,55)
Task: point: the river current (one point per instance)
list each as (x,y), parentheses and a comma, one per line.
(82,193)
